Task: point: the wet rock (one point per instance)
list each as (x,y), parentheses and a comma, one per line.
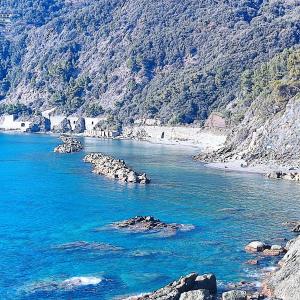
(252,262)
(114,168)
(147,224)
(285,282)
(234,295)
(176,289)
(256,246)
(296,228)
(275,250)
(196,295)
(69,145)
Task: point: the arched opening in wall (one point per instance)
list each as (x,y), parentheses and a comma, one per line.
(162,135)
(92,122)
(74,122)
(22,124)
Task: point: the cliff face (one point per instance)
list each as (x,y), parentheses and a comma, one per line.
(264,118)
(285,283)
(174,60)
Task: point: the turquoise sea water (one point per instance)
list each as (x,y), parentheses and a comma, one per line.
(47,200)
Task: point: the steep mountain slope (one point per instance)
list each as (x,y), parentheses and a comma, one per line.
(175,60)
(265,117)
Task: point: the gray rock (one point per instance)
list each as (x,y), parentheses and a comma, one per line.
(150,224)
(234,295)
(176,289)
(196,295)
(255,246)
(114,168)
(79,126)
(63,127)
(285,283)
(69,145)
(39,124)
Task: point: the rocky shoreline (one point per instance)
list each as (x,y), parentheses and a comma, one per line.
(69,145)
(281,284)
(114,168)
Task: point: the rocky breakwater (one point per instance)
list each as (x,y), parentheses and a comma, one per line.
(69,145)
(292,176)
(190,287)
(149,224)
(114,168)
(285,283)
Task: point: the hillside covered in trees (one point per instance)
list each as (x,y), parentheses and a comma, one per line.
(173,60)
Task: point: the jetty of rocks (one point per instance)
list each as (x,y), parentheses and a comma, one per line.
(114,168)
(69,145)
(292,176)
(146,224)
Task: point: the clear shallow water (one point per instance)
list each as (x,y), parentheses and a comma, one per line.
(47,199)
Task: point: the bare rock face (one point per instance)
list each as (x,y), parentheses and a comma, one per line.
(285,283)
(63,127)
(39,124)
(79,126)
(69,145)
(114,168)
(147,224)
(181,289)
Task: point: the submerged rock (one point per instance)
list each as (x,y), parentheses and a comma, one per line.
(114,168)
(179,290)
(82,245)
(69,145)
(285,282)
(147,224)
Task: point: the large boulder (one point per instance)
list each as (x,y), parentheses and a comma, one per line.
(285,283)
(179,290)
(234,295)
(256,246)
(196,295)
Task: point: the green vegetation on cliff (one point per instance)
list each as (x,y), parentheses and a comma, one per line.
(175,60)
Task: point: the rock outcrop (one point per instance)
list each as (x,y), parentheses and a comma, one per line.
(147,224)
(114,168)
(63,127)
(69,145)
(185,289)
(285,283)
(79,126)
(39,124)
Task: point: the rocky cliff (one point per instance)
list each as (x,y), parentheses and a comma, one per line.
(264,118)
(285,283)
